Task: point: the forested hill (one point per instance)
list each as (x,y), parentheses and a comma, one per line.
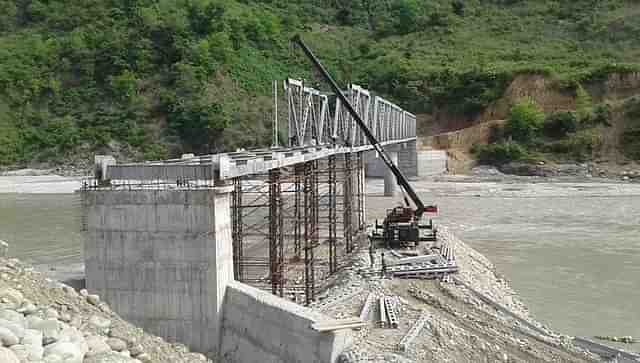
(153,78)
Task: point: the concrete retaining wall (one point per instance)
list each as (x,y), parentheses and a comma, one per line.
(261,328)
(161,259)
(432,162)
(407,161)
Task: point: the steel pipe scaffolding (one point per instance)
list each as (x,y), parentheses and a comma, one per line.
(293,226)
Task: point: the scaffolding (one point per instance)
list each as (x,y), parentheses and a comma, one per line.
(287,225)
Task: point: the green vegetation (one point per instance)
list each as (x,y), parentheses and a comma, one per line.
(525,121)
(500,153)
(153,78)
(529,134)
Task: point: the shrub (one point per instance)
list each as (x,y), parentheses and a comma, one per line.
(525,120)
(602,114)
(497,154)
(560,124)
(579,146)
(584,105)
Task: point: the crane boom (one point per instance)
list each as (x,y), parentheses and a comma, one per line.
(400,178)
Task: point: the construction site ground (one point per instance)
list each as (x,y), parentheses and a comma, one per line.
(460,325)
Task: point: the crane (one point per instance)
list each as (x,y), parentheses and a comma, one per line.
(401,226)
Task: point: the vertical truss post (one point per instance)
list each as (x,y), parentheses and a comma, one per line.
(362,218)
(309,231)
(333,220)
(348,212)
(297,210)
(276,260)
(236,214)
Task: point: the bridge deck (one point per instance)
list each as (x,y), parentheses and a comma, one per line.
(230,165)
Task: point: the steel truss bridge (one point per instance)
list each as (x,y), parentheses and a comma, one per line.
(298,208)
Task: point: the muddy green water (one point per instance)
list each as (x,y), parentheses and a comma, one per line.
(571,251)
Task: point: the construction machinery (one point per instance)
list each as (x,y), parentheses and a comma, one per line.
(403,226)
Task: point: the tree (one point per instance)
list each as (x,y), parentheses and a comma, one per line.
(525,120)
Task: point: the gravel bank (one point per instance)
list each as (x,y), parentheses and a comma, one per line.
(460,326)
(45,321)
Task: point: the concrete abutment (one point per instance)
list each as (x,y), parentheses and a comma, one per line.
(163,259)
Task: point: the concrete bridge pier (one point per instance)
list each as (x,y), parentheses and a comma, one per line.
(162,258)
(390,181)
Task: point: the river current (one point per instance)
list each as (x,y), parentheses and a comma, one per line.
(570,249)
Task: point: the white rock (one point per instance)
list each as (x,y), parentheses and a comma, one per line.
(27,308)
(11,296)
(7,337)
(100,323)
(109,357)
(32,337)
(66,317)
(7,356)
(117,344)
(12,316)
(20,351)
(93,299)
(34,353)
(15,328)
(97,344)
(33,320)
(51,314)
(136,349)
(53,358)
(84,292)
(70,352)
(50,329)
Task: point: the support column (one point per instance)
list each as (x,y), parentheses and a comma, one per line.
(236,212)
(362,218)
(333,220)
(162,259)
(310,233)
(276,235)
(347,189)
(390,182)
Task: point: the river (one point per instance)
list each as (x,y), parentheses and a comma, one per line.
(570,249)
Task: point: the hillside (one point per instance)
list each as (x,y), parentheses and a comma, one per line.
(153,78)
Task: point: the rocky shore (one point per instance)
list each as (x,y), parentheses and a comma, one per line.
(45,321)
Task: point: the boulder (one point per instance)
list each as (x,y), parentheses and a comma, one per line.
(7,337)
(70,352)
(100,324)
(12,316)
(97,344)
(27,308)
(32,337)
(7,356)
(15,328)
(50,329)
(117,344)
(13,296)
(93,299)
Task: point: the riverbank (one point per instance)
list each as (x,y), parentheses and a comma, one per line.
(460,326)
(44,320)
